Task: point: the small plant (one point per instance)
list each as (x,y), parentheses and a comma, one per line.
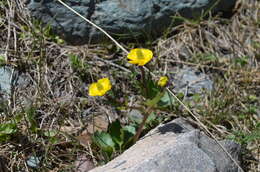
(7,130)
(246,138)
(2,60)
(117,138)
(242,61)
(79,66)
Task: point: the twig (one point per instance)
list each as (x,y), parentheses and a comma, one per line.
(96,26)
(113,64)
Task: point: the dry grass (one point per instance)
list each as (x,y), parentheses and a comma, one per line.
(55,96)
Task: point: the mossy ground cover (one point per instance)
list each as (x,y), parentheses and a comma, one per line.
(50,116)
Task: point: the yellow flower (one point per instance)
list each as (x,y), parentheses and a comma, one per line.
(163,81)
(100,87)
(140,56)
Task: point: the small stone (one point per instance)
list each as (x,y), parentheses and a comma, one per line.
(9,78)
(83,164)
(33,161)
(135,115)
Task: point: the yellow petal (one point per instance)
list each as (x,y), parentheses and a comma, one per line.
(105,82)
(142,62)
(93,90)
(163,81)
(133,62)
(100,87)
(140,56)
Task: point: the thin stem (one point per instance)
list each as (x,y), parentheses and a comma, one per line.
(96,26)
(141,126)
(144,85)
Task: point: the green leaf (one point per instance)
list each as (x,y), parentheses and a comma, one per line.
(149,89)
(209,57)
(155,100)
(6,130)
(151,118)
(197,97)
(166,100)
(50,133)
(74,60)
(52,136)
(152,89)
(104,141)
(252,98)
(30,114)
(242,61)
(129,129)
(2,60)
(114,130)
(18,118)
(127,135)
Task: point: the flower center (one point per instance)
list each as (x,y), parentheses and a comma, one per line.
(140,55)
(99,86)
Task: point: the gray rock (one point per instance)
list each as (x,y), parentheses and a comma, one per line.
(63,22)
(123,18)
(135,115)
(34,161)
(5,83)
(175,147)
(189,81)
(8,79)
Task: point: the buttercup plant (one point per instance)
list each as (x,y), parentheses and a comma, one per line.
(140,57)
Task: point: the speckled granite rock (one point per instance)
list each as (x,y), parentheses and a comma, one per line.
(127,18)
(175,147)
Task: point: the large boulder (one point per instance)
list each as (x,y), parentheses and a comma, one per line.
(122,18)
(175,147)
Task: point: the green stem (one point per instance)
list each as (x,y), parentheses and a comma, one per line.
(140,129)
(144,85)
